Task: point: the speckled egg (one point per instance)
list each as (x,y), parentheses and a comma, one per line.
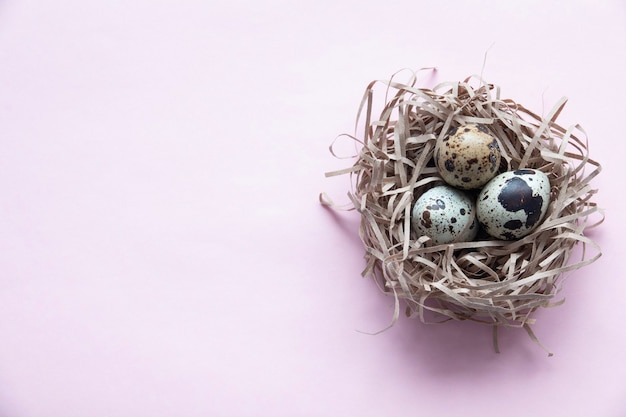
(446,215)
(468,156)
(514,203)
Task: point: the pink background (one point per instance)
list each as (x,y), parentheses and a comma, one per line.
(162,248)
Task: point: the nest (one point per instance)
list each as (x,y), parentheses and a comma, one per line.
(496,282)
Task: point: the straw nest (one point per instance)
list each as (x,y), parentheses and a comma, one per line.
(491,281)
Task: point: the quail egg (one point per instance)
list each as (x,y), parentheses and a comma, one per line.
(468,156)
(446,215)
(513,203)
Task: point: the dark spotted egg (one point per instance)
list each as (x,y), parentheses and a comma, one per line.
(468,156)
(514,203)
(446,215)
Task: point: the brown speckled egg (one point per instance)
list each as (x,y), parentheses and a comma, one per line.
(468,156)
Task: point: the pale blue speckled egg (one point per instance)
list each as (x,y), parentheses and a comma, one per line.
(446,215)
(514,203)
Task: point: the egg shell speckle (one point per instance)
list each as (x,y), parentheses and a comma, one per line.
(468,156)
(446,215)
(513,203)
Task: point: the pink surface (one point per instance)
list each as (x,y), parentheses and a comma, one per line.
(162,249)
